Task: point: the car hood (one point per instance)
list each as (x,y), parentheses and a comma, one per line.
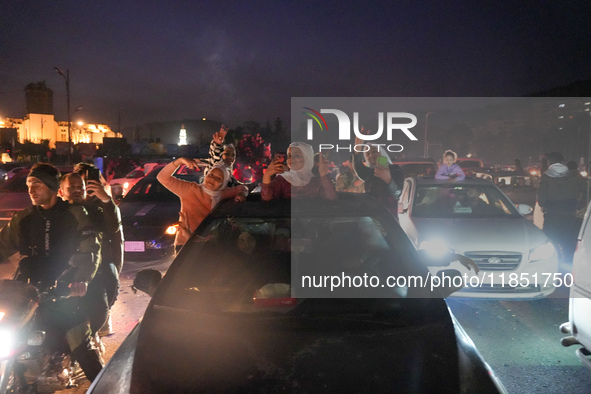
(182,352)
(464,235)
(149,214)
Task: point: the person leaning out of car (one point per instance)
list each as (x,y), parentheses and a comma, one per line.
(382,179)
(450,170)
(296,179)
(198,200)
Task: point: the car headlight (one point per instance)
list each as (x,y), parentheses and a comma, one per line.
(435,248)
(172,230)
(542,252)
(7,340)
(126,185)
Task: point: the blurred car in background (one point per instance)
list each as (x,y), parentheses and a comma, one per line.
(120,186)
(417,167)
(7,170)
(150,214)
(505,176)
(470,165)
(475,218)
(14,196)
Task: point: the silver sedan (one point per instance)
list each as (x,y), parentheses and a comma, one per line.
(475,218)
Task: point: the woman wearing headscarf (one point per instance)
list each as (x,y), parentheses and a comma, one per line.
(296,179)
(198,200)
(382,179)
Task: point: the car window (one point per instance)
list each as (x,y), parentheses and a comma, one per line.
(236,262)
(149,191)
(465,201)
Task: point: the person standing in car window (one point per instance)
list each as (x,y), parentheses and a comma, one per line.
(449,169)
(198,200)
(382,179)
(296,179)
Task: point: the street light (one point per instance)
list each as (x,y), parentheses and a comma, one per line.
(426,143)
(67,79)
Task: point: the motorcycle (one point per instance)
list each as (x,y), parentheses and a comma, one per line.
(29,363)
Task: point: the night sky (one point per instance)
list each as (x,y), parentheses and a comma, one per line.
(155,61)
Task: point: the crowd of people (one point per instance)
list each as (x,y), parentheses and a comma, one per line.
(72,234)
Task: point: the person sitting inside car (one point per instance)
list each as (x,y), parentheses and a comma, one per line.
(296,178)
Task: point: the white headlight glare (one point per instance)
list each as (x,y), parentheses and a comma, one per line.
(7,339)
(543,252)
(436,248)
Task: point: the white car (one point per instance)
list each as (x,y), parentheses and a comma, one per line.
(120,186)
(579,316)
(476,219)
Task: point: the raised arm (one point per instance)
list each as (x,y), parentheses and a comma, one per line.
(177,186)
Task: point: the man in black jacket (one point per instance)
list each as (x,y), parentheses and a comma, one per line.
(87,187)
(59,245)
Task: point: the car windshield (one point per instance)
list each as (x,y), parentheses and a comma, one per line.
(149,190)
(245,265)
(461,201)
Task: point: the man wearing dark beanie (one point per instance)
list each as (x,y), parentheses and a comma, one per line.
(58,243)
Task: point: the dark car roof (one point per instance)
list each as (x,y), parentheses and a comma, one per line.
(348,203)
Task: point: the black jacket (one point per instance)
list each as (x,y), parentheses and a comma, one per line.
(51,242)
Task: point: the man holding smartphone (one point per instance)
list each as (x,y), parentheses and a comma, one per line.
(382,179)
(106,214)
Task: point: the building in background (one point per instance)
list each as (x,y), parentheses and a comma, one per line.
(40,124)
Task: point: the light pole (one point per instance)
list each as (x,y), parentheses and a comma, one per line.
(67,79)
(426,143)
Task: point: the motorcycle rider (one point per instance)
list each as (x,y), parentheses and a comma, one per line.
(58,244)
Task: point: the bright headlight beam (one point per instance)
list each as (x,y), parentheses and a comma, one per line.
(437,248)
(6,342)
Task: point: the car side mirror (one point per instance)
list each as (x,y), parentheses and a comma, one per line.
(524,209)
(147,281)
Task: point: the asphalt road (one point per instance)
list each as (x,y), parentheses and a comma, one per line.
(521,342)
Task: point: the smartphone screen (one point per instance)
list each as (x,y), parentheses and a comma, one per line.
(383,161)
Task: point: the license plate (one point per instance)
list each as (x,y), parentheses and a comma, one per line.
(135,246)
